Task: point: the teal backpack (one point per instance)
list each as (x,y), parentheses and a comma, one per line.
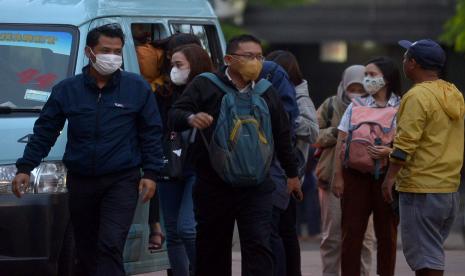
(241,147)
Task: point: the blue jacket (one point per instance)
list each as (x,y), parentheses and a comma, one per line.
(280,80)
(287,94)
(111,129)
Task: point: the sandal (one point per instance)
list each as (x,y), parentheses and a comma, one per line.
(154,246)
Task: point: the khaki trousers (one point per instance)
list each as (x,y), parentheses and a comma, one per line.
(331,241)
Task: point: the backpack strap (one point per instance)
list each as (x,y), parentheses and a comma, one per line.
(349,135)
(218,82)
(261,86)
(357,101)
(330,112)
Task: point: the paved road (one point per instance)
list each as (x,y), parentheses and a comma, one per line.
(311,263)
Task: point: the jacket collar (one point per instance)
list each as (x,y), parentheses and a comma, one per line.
(224,76)
(393,101)
(90,80)
(221,73)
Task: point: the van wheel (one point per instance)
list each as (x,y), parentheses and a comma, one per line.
(67,259)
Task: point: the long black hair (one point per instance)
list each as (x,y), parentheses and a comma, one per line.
(288,61)
(390,72)
(172,42)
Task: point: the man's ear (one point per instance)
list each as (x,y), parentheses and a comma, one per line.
(413,63)
(227,59)
(88,53)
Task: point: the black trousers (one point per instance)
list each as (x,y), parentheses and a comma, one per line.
(102,209)
(284,241)
(216,210)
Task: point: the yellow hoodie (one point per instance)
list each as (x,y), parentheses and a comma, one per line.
(430,130)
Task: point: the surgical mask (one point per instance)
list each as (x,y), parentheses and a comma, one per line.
(248,69)
(373,84)
(106,64)
(179,76)
(352,96)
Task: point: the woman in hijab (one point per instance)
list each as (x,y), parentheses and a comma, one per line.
(329,116)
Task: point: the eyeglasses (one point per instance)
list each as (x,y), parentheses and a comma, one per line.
(250,56)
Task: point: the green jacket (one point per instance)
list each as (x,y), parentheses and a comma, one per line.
(327,138)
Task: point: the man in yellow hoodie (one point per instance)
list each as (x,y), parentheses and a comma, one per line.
(427,157)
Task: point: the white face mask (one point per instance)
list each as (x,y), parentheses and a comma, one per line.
(106,64)
(373,84)
(179,76)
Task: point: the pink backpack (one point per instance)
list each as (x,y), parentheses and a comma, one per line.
(368,126)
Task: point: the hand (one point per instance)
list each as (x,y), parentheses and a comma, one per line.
(378,152)
(149,186)
(294,188)
(337,187)
(20,184)
(386,189)
(200,120)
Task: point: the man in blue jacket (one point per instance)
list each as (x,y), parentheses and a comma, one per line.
(114,130)
(285,249)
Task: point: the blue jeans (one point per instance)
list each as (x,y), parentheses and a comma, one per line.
(308,210)
(178,215)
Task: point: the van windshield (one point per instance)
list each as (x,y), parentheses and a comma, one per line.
(32,61)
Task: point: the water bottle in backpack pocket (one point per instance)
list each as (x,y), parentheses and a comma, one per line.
(241,147)
(369,126)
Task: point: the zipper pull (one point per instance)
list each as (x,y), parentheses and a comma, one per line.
(99,96)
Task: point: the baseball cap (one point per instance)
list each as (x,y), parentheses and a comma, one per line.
(426,52)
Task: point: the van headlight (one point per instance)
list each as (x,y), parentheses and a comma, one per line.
(48,177)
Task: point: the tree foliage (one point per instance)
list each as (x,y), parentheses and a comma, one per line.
(230,30)
(454,29)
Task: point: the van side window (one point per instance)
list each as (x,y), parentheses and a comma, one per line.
(149,31)
(208,38)
(150,58)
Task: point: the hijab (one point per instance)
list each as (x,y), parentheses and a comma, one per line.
(352,74)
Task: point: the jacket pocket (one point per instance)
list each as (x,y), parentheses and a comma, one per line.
(117,116)
(81,121)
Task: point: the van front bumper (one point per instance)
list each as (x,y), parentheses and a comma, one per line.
(31,233)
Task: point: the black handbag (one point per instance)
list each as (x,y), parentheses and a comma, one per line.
(175,146)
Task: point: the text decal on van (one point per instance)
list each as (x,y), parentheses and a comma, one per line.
(57,42)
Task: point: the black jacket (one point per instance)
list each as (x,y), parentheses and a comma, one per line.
(111,129)
(201,95)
